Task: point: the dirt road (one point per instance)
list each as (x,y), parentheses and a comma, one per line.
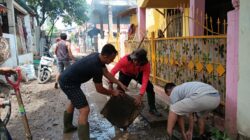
(45,105)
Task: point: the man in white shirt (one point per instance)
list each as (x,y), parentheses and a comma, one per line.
(187,99)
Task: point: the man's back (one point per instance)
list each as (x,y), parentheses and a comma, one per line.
(188,89)
(62,52)
(84,69)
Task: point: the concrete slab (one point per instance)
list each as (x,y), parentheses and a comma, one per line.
(121,111)
(153,120)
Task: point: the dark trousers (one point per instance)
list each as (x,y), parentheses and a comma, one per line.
(125,79)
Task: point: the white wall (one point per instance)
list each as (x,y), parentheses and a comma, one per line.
(101,43)
(123,37)
(11,17)
(29,42)
(37,39)
(243,113)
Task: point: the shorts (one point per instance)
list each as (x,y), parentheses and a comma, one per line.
(75,95)
(61,65)
(196,104)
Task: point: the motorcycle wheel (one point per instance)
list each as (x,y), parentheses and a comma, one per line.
(4,133)
(44,76)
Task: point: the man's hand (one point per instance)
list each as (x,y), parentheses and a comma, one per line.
(189,135)
(116,93)
(7,71)
(138,100)
(122,86)
(111,86)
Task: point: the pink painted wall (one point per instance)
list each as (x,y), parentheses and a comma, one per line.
(232,75)
(196,30)
(141,18)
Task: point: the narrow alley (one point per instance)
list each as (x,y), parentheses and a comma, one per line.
(45,106)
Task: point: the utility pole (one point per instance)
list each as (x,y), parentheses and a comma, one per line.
(110,17)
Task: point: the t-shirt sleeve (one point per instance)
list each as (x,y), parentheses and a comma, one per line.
(121,63)
(145,78)
(97,78)
(174,97)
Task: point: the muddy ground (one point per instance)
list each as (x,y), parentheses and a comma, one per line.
(45,106)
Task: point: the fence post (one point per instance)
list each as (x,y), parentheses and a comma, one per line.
(153,55)
(117,44)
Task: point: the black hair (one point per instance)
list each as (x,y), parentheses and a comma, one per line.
(169,86)
(63,36)
(139,55)
(108,49)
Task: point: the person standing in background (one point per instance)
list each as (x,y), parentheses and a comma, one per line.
(63,54)
(131,32)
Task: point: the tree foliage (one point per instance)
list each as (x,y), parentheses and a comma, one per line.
(69,10)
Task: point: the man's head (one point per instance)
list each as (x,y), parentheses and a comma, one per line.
(139,57)
(63,36)
(108,53)
(168,88)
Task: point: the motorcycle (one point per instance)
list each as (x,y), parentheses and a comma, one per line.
(45,69)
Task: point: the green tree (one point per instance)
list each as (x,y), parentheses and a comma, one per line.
(51,31)
(69,10)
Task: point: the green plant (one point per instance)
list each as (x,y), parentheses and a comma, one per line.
(218,135)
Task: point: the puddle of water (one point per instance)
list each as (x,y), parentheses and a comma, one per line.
(102,129)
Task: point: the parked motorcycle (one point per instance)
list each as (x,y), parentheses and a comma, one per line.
(45,69)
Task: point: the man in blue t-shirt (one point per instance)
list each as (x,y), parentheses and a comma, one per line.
(90,67)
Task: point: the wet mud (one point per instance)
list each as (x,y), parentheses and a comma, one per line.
(45,106)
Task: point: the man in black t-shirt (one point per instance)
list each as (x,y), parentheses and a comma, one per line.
(91,66)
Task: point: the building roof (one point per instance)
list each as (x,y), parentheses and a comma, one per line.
(25,6)
(162,3)
(128,12)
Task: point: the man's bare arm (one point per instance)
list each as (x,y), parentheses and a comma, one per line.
(99,88)
(112,79)
(7,70)
(70,52)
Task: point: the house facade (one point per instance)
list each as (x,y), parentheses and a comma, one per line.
(218,30)
(19,27)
